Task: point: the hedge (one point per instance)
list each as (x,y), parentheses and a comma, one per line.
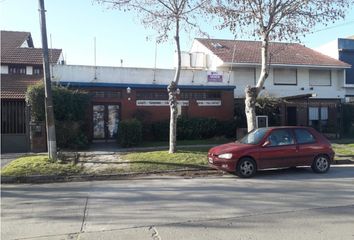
(194,128)
(130,133)
(70,112)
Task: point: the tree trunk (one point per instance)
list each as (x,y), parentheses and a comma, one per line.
(251,93)
(172,95)
(172,98)
(250,107)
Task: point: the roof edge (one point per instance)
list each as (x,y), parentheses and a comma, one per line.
(288,65)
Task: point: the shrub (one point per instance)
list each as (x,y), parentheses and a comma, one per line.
(70,135)
(160,130)
(195,128)
(130,133)
(69,105)
(227,129)
(70,114)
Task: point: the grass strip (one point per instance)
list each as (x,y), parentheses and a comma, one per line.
(38,165)
(162,160)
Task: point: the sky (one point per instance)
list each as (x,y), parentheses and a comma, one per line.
(72,25)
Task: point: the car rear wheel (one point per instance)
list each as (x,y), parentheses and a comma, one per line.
(321,164)
(246,168)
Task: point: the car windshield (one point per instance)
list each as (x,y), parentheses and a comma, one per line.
(254,137)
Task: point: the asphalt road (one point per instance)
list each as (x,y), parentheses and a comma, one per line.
(278,204)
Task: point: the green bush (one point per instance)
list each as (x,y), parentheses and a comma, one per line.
(70,134)
(160,130)
(69,105)
(227,129)
(195,128)
(130,133)
(70,112)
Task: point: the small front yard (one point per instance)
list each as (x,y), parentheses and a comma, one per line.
(134,162)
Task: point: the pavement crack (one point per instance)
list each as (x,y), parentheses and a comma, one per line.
(154,233)
(84,217)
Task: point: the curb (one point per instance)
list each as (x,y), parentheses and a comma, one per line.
(343,162)
(122,176)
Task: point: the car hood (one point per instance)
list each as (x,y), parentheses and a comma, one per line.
(228,148)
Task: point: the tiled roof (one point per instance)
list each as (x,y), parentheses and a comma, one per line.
(249,52)
(15,86)
(13,53)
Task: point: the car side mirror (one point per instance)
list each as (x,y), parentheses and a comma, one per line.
(266,143)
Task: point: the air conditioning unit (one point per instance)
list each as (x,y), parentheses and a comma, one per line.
(261,121)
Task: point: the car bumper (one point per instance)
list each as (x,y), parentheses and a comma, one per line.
(228,165)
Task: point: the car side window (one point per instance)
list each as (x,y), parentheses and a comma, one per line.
(304,136)
(281,137)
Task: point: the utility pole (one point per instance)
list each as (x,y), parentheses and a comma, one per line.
(49,113)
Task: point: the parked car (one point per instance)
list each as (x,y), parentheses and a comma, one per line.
(273,147)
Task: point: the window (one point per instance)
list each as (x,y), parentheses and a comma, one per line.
(281,137)
(245,76)
(37,71)
(303,136)
(152,95)
(285,76)
(318,116)
(17,70)
(106,94)
(200,95)
(320,77)
(254,137)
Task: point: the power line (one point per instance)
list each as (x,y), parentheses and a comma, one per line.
(335,26)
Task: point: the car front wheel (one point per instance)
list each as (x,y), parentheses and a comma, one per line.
(246,168)
(321,164)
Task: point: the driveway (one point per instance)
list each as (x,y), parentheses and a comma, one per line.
(276,204)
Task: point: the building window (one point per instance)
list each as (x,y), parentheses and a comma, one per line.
(17,70)
(37,71)
(285,76)
(107,94)
(318,117)
(245,76)
(320,77)
(200,95)
(152,95)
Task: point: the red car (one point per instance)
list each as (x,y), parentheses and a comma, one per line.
(273,147)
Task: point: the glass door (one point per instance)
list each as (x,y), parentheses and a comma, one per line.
(98,122)
(105,121)
(113,120)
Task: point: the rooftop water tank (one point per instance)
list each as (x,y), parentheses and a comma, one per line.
(198,60)
(185,60)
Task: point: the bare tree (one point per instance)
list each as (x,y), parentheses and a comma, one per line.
(165,16)
(270,20)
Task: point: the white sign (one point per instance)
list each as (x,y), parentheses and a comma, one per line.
(207,103)
(152,103)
